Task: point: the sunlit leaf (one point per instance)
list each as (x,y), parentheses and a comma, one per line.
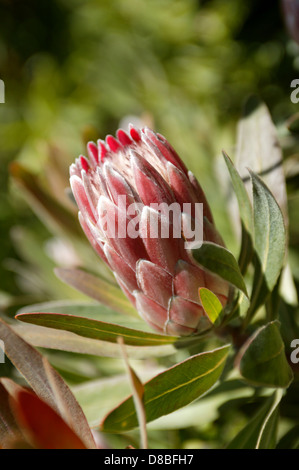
(210,303)
(66,341)
(96,330)
(112,391)
(228,394)
(171,390)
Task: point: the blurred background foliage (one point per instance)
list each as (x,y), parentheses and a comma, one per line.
(75,71)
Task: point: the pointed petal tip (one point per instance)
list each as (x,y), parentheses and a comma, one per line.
(84,163)
(102,149)
(134,133)
(123,137)
(113,143)
(93,153)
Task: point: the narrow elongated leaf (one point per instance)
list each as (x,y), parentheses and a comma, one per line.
(96,330)
(262,359)
(246,215)
(31,364)
(210,303)
(269,243)
(66,341)
(220,261)
(269,231)
(171,390)
(92,310)
(96,288)
(260,432)
(112,391)
(200,413)
(137,393)
(245,206)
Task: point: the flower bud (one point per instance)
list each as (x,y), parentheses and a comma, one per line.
(141,210)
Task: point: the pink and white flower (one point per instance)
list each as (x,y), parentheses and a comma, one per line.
(122,190)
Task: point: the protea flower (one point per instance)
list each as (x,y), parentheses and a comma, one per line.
(137,170)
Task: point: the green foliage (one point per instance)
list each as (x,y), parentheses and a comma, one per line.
(262,359)
(95,329)
(245,210)
(76,71)
(210,303)
(220,261)
(269,242)
(171,389)
(261,431)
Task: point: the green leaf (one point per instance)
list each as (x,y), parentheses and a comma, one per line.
(262,359)
(96,288)
(112,391)
(200,413)
(260,432)
(210,303)
(269,244)
(220,261)
(171,390)
(269,231)
(62,340)
(96,330)
(245,206)
(45,381)
(92,310)
(246,214)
